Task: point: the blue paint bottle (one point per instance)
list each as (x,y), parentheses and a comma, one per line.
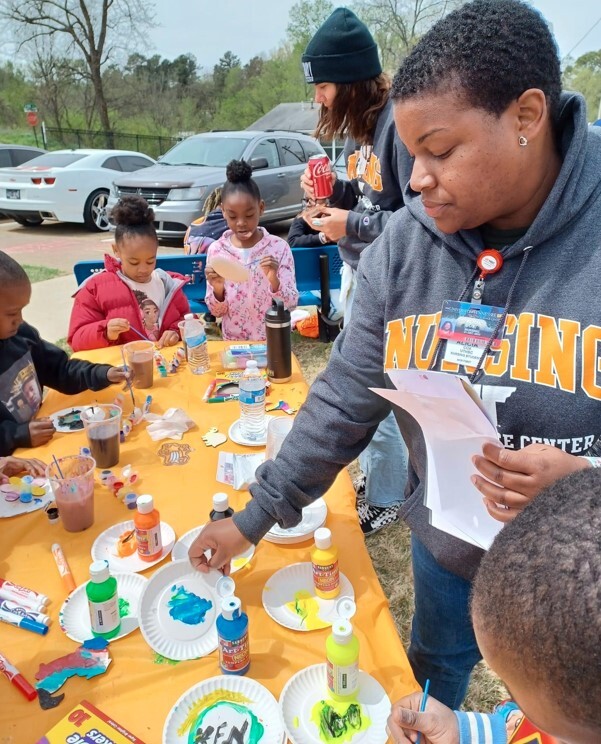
(232,630)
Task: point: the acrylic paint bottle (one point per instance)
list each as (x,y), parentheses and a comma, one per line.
(147,522)
(103,601)
(232,631)
(342,654)
(324,557)
(221,507)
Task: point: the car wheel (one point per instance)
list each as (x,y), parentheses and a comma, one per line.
(28,221)
(94,212)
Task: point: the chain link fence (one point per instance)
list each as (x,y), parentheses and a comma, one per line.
(149,144)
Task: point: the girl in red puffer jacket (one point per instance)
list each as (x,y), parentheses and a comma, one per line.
(131,293)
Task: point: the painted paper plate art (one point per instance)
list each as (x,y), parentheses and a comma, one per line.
(74,617)
(289,598)
(310,717)
(37,492)
(241,709)
(68,420)
(236,436)
(314,516)
(181,547)
(229,269)
(117,546)
(178,610)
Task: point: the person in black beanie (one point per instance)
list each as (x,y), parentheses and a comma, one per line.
(342,61)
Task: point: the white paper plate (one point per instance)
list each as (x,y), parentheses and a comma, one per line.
(65,429)
(314,516)
(235,435)
(309,686)
(105,548)
(282,587)
(261,704)
(229,269)
(74,617)
(181,547)
(14,508)
(167,634)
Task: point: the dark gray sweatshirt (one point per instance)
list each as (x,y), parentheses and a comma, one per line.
(374,194)
(545,379)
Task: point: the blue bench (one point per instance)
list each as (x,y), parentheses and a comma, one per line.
(315,277)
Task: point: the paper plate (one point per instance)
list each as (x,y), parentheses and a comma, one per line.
(181,547)
(314,516)
(178,610)
(65,429)
(235,435)
(303,691)
(229,269)
(261,708)
(13,508)
(105,548)
(281,593)
(74,617)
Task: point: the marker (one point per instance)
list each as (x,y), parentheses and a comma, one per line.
(422,707)
(17,609)
(10,597)
(222,399)
(23,622)
(21,594)
(63,568)
(13,675)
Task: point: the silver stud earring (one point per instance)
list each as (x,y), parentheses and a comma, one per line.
(522,141)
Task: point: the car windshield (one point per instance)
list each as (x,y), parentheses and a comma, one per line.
(53,160)
(213,151)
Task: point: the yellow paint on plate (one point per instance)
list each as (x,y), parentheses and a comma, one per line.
(239,563)
(339,722)
(295,722)
(306,607)
(213,697)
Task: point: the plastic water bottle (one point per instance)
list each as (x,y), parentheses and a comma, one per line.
(196,342)
(252,403)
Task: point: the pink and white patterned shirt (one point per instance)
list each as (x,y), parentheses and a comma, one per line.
(245,303)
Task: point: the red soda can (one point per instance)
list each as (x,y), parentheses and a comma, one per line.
(319,166)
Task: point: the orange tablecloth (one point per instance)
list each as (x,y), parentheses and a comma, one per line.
(137,691)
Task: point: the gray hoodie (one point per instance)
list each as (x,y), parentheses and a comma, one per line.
(373,195)
(546,378)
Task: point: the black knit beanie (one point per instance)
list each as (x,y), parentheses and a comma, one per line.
(342,51)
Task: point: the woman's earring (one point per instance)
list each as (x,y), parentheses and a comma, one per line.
(523,141)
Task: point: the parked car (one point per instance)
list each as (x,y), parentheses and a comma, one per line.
(13,155)
(178,184)
(65,185)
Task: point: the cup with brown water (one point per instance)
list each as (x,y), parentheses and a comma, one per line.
(139,356)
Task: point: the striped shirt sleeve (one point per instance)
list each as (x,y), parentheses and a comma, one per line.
(479,728)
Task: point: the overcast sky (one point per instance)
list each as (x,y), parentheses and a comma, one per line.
(208,29)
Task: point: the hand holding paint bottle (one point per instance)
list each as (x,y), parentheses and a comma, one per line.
(147,523)
(342,653)
(103,601)
(324,557)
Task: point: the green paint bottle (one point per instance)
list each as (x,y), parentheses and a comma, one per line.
(103,601)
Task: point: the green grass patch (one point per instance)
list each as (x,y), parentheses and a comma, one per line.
(41,273)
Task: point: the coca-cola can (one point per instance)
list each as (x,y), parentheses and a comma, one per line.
(319,166)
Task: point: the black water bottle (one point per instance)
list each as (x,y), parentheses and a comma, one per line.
(279,343)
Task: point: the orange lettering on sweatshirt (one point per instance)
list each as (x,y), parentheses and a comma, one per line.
(557,353)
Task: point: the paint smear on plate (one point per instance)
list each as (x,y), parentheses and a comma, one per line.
(239,563)
(188,607)
(123,607)
(226,711)
(306,607)
(338,722)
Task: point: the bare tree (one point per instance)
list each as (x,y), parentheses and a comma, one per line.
(305,17)
(92,30)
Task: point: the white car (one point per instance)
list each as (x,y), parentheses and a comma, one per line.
(66,185)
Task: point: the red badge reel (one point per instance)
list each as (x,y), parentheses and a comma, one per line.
(489,262)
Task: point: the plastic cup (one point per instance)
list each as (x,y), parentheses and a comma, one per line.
(73,490)
(180,325)
(277,431)
(139,355)
(102,424)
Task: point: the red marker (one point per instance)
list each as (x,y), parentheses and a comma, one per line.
(13,675)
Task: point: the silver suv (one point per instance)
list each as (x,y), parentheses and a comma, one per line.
(178,184)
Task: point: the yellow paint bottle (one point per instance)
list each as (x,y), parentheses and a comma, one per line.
(324,557)
(342,654)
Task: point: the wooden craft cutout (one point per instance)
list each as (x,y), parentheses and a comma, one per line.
(213,438)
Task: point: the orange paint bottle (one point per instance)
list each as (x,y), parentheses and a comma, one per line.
(147,522)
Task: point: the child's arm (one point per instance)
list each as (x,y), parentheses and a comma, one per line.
(87,327)
(301,236)
(13,435)
(287,291)
(218,308)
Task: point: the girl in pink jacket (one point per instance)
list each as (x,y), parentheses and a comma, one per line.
(242,304)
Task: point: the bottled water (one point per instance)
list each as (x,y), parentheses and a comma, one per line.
(196,340)
(252,402)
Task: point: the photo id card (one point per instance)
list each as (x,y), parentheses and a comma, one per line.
(468,327)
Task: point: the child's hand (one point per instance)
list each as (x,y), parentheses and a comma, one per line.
(41,431)
(216,281)
(120,374)
(438,723)
(169,338)
(14,465)
(270,265)
(115,327)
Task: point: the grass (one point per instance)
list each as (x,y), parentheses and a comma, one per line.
(391,555)
(41,273)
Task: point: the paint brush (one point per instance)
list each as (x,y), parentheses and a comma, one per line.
(138,333)
(128,383)
(422,707)
(58,467)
